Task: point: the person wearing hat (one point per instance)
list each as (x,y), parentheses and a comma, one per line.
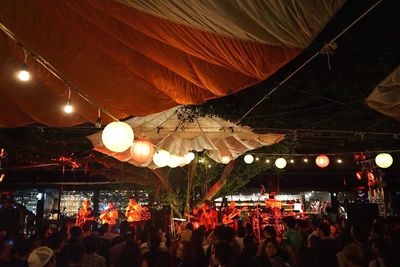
(42,257)
(85,215)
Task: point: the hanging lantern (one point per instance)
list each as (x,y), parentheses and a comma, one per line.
(280,163)
(142,151)
(183,161)
(117,136)
(384,160)
(174,161)
(189,157)
(249,159)
(322,161)
(225,159)
(161,158)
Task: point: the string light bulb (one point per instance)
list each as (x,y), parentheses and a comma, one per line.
(305,160)
(248,158)
(340,161)
(23,73)
(68,108)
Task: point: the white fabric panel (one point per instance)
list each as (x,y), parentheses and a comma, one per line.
(385,98)
(292,23)
(211,134)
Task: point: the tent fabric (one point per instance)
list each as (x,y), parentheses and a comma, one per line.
(133,62)
(290,23)
(385,97)
(178,132)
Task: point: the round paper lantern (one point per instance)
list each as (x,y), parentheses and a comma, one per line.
(280,163)
(117,136)
(225,159)
(322,161)
(174,161)
(384,160)
(161,158)
(183,161)
(248,158)
(142,151)
(189,157)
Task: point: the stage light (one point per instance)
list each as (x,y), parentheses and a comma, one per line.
(23,73)
(117,136)
(384,160)
(248,158)
(322,161)
(280,163)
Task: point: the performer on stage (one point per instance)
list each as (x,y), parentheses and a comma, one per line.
(109,215)
(85,215)
(209,216)
(231,215)
(133,211)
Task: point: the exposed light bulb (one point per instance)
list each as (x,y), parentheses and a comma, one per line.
(68,107)
(23,73)
(267,161)
(305,160)
(292,161)
(339,161)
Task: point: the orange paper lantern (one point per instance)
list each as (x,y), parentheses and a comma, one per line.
(322,161)
(142,151)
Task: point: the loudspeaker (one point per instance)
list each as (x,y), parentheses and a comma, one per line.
(362,213)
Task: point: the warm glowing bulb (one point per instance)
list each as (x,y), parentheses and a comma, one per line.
(280,163)
(339,161)
(68,108)
(292,161)
(267,161)
(225,159)
(305,160)
(384,160)
(248,158)
(24,75)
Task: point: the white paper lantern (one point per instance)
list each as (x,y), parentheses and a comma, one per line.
(248,158)
(189,157)
(183,161)
(174,161)
(225,159)
(142,151)
(384,160)
(161,158)
(280,163)
(117,136)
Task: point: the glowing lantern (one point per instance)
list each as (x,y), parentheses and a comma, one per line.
(174,161)
(117,136)
(384,160)
(280,163)
(189,157)
(142,151)
(161,158)
(183,161)
(225,159)
(322,161)
(248,158)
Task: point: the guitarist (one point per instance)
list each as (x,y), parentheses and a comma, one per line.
(230,215)
(85,215)
(133,212)
(109,215)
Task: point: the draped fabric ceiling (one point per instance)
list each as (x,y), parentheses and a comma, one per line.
(140,57)
(178,132)
(385,98)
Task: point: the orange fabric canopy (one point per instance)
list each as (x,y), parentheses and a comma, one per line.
(133,61)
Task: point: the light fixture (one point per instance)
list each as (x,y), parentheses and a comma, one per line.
(142,151)
(384,160)
(340,161)
(68,107)
(248,158)
(225,159)
(189,157)
(257,158)
(305,160)
(174,161)
(117,136)
(280,163)
(209,166)
(322,161)
(291,161)
(23,73)
(267,161)
(161,158)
